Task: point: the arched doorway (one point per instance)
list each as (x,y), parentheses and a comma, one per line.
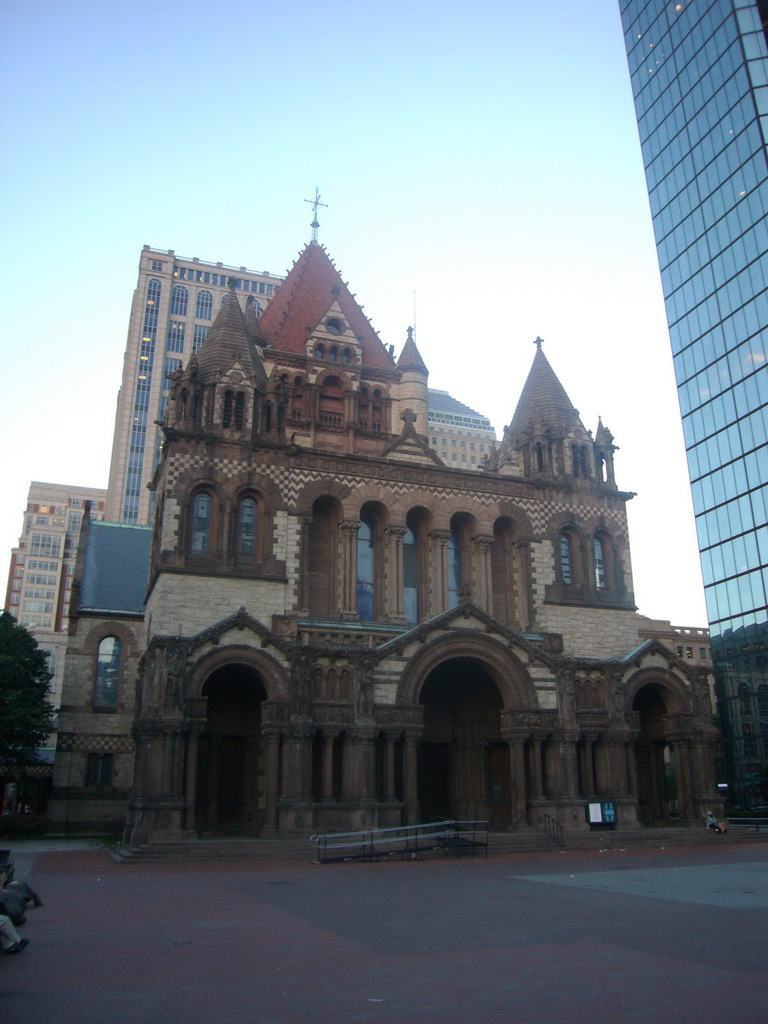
(657,798)
(230,772)
(463,762)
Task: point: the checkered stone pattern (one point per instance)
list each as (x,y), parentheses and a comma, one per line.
(291,481)
(94,743)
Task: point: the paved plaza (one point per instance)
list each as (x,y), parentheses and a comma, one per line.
(654,937)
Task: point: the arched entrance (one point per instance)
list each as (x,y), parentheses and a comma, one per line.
(657,797)
(230,773)
(463,762)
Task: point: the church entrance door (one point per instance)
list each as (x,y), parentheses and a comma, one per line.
(656,776)
(463,763)
(230,797)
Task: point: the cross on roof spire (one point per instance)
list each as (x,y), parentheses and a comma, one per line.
(314,203)
(538,342)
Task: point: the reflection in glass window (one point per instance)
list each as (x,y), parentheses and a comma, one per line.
(204,305)
(599,557)
(201,525)
(453,546)
(411,575)
(179,300)
(107,673)
(365,569)
(247,527)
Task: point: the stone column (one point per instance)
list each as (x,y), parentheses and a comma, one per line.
(303,573)
(212,801)
(524,574)
(389,769)
(537,779)
(483,595)
(438,576)
(410,779)
(393,604)
(518,802)
(190,787)
(328,739)
(566,742)
(271,739)
(348,545)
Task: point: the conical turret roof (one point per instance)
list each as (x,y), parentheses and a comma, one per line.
(543,402)
(311,287)
(229,341)
(410,357)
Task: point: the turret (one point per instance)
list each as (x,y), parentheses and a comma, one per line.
(413,384)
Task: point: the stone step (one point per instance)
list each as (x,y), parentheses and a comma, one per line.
(499,844)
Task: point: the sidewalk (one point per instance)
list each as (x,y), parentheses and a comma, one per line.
(651,937)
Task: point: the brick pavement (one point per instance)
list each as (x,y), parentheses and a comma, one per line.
(651,937)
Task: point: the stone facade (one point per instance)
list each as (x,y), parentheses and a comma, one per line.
(343,632)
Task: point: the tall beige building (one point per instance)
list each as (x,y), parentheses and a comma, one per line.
(174,304)
(43,565)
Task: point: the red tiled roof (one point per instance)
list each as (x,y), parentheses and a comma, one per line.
(312,285)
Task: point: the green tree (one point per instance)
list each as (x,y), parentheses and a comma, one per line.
(26,714)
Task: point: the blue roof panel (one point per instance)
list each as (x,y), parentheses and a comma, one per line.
(116,568)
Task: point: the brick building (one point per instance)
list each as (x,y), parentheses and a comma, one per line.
(342,631)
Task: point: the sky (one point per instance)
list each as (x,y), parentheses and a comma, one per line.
(483,176)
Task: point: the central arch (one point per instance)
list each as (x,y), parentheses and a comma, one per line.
(230,770)
(463,766)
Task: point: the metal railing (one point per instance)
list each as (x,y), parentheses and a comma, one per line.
(409,842)
(553,829)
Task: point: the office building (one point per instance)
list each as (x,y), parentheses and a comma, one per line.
(699,75)
(461,437)
(38,595)
(173,307)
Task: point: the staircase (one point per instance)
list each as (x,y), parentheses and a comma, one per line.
(500,844)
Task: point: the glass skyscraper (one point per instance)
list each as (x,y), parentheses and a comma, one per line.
(699,76)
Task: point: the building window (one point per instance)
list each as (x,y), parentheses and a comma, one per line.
(598,551)
(107,674)
(366,538)
(200,333)
(411,574)
(175,340)
(566,561)
(46,544)
(179,300)
(201,523)
(246,527)
(453,546)
(155,265)
(204,305)
(98,770)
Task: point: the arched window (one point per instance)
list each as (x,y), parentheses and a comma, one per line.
(226,418)
(204,306)
(411,573)
(454,566)
(539,458)
(598,554)
(366,539)
(246,527)
(201,523)
(107,674)
(566,560)
(320,350)
(179,300)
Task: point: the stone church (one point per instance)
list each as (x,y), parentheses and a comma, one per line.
(327,628)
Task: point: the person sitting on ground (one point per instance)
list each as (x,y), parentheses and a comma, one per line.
(10,939)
